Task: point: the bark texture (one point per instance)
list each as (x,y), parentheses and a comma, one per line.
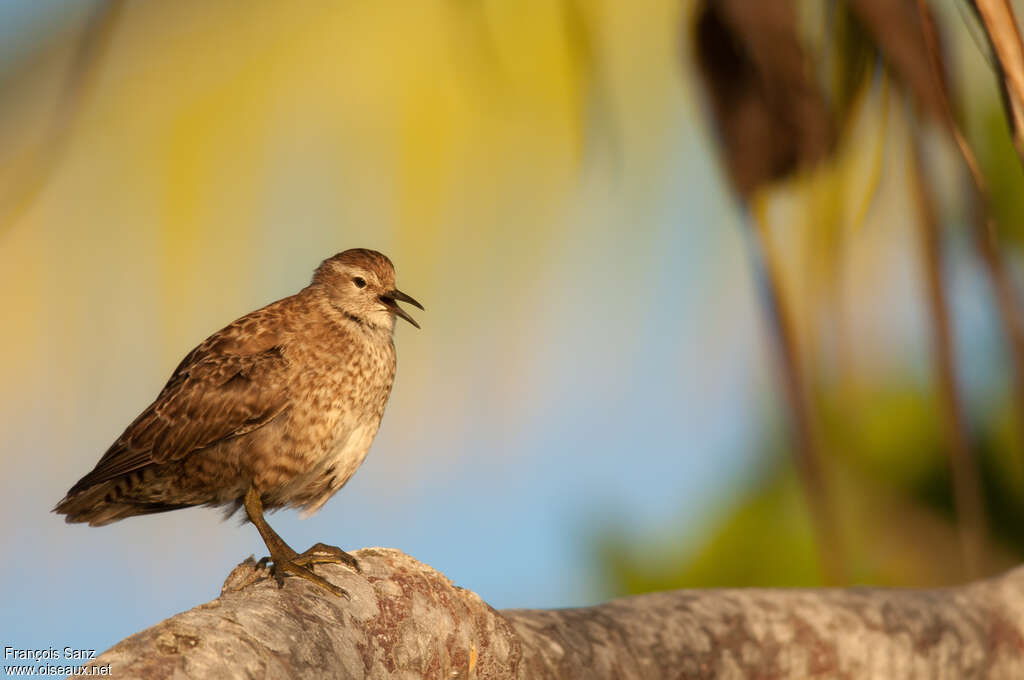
(406,620)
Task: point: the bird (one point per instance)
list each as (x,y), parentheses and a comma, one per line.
(277,409)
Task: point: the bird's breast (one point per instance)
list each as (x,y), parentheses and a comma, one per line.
(338,400)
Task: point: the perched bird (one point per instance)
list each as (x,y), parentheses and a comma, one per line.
(278,409)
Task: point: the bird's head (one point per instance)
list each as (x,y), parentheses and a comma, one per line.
(360,283)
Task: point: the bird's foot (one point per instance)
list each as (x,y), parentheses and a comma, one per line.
(295,564)
(327,554)
(279,569)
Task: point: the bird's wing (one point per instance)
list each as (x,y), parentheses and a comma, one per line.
(229,385)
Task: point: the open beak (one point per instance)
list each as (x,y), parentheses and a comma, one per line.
(390,300)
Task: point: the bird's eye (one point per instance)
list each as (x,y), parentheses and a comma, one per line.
(359,281)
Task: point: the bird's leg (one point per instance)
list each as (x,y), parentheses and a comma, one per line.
(281,554)
(279,550)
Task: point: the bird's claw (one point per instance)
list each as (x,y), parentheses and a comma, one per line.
(321,553)
(307,573)
(288,561)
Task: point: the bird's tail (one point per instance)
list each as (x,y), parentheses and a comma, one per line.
(102,504)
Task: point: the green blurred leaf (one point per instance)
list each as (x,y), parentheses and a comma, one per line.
(1001,168)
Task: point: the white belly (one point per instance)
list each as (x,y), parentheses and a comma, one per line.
(342,461)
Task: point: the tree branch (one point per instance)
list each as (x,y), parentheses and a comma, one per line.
(1003,36)
(406,620)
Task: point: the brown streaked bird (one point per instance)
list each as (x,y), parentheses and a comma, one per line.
(278,409)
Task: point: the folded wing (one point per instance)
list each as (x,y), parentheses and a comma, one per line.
(213,395)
